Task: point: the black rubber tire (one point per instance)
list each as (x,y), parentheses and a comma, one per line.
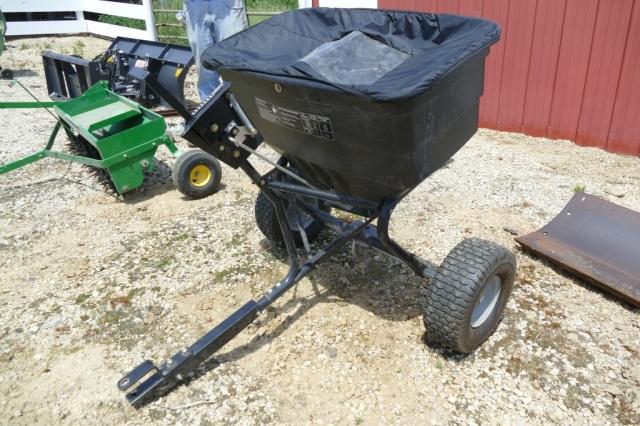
(6,73)
(180,173)
(457,285)
(268,224)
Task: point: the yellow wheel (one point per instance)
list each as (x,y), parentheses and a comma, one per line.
(197,174)
(200,175)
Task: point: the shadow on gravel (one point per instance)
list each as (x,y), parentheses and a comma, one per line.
(374,282)
(23,73)
(577,281)
(156,183)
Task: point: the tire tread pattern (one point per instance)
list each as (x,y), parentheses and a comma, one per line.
(450,295)
(267,219)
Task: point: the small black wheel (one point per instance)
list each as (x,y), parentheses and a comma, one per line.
(268,224)
(197,174)
(6,73)
(467,297)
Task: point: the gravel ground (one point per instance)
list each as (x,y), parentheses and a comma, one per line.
(92,284)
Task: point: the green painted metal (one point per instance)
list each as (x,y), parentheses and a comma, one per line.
(19,105)
(125,135)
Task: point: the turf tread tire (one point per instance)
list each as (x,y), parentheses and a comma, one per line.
(451,295)
(184,164)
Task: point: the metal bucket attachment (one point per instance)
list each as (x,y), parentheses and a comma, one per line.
(168,63)
(596,240)
(70,76)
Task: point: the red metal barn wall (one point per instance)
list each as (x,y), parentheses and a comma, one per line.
(565,69)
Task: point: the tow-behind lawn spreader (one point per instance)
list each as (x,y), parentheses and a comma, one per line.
(123,138)
(362,105)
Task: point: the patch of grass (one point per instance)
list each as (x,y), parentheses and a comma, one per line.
(36,302)
(349,217)
(123,327)
(78,48)
(165,261)
(113,317)
(238,238)
(23,46)
(182,237)
(579,187)
(81,298)
(170,30)
(225,274)
(271,5)
(244,266)
(124,22)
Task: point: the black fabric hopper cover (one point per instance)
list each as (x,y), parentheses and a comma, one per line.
(382,55)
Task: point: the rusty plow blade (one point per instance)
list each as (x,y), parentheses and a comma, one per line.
(596,240)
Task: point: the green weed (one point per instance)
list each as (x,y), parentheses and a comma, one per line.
(78,48)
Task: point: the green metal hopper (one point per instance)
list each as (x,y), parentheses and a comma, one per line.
(125,134)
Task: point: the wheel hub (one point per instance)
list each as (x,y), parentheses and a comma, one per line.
(487,302)
(200,175)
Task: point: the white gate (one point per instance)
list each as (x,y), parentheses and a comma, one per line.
(73,20)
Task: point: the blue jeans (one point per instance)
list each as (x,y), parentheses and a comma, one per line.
(208,22)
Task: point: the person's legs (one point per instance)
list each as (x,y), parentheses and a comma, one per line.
(231,18)
(210,21)
(201,32)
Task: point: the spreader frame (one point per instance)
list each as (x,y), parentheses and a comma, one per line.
(181,366)
(216,127)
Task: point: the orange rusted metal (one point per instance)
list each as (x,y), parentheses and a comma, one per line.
(596,240)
